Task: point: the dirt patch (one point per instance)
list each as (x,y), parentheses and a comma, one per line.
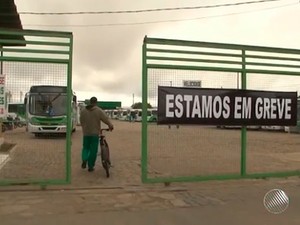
(6,147)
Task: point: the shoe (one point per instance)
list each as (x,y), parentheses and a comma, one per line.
(91,169)
(83,165)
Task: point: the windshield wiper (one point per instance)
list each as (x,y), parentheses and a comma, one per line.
(56,97)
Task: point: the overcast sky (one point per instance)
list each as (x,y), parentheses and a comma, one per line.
(107,59)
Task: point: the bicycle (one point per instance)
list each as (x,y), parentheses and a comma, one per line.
(104,152)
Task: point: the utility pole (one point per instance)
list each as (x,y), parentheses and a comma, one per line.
(133,99)
(9,96)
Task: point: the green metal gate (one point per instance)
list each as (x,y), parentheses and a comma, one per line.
(35,57)
(196,153)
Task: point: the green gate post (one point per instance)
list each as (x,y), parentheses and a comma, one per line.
(244,129)
(144,115)
(69,109)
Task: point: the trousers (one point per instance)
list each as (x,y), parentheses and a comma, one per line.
(90,150)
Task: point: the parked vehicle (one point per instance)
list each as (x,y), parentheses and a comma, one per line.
(152,115)
(295,129)
(46,109)
(274,128)
(114,114)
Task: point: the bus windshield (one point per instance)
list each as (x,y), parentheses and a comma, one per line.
(48,104)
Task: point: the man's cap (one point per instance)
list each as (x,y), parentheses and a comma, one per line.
(93,100)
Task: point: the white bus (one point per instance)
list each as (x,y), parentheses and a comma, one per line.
(151,115)
(46,110)
(123,114)
(295,129)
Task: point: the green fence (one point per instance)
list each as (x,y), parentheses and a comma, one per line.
(33,57)
(195,153)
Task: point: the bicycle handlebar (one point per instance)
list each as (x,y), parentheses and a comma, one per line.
(106,129)
(101,131)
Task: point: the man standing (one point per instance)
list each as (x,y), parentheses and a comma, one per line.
(90,119)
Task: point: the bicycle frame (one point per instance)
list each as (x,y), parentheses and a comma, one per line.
(104,152)
(102,137)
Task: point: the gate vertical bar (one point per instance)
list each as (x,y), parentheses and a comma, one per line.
(69,131)
(144,114)
(244,129)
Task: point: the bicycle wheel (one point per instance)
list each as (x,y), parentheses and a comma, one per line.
(105,158)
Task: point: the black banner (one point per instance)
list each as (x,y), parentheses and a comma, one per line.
(177,105)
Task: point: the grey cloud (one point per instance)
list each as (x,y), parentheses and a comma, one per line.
(108,59)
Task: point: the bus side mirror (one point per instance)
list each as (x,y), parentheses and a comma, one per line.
(74,99)
(25,101)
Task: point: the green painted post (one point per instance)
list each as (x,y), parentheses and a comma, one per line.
(244,129)
(69,113)
(144,166)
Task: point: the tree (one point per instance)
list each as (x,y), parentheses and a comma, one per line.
(138,105)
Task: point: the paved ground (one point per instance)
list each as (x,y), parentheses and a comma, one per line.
(232,203)
(45,158)
(187,151)
(123,199)
(207,216)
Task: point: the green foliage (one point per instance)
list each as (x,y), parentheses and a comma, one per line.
(138,105)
